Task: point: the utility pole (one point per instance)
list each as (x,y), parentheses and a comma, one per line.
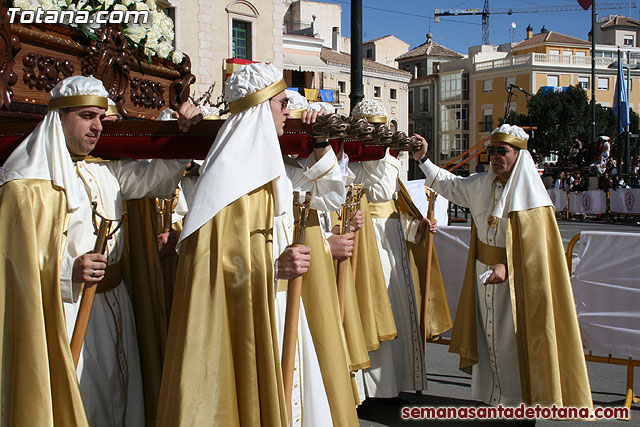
(357,93)
(593,75)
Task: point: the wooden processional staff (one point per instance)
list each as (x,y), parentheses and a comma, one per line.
(342,273)
(166,207)
(426,284)
(103,233)
(357,195)
(294,291)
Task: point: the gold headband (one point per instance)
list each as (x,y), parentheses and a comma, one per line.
(376,119)
(112,110)
(257,97)
(509,139)
(295,114)
(78,101)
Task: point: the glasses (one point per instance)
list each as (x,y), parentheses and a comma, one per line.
(284,103)
(500,150)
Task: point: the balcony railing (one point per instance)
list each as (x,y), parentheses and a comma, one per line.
(302,28)
(546,59)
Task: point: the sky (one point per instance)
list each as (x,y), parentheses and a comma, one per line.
(410,20)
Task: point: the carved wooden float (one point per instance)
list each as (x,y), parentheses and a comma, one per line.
(34,58)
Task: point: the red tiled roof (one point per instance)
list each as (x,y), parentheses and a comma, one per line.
(430,49)
(331,56)
(620,21)
(550,37)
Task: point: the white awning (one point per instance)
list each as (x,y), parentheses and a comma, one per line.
(302,62)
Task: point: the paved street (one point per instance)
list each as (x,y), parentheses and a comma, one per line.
(450,387)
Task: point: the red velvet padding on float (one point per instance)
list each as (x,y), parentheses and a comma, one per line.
(163,140)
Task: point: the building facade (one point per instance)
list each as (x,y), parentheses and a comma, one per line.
(384,50)
(432,111)
(549,61)
(211,31)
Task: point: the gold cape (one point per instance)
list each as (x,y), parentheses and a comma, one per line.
(550,354)
(371,289)
(438,313)
(354,333)
(141,267)
(222,364)
(320,298)
(39,385)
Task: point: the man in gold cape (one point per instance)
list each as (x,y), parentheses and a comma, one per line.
(48,185)
(322,392)
(516,328)
(398,365)
(376,315)
(222,365)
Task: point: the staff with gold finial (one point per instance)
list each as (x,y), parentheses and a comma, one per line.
(166,208)
(294,291)
(357,195)
(342,270)
(426,283)
(103,234)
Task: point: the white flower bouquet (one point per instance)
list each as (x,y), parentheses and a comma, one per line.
(153,37)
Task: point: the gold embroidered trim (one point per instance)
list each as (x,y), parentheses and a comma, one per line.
(324,174)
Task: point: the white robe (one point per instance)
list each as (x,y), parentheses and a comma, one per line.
(496,376)
(310,406)
(109,366)
(398,365)
(185,197)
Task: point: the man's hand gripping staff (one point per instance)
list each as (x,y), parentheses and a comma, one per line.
(103,234)
(294,291)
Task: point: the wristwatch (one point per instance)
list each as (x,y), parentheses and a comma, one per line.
(321,144)
(424,159)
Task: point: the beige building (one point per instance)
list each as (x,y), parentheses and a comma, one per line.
(384,50)
(301,37)
(423,63)
(327,71)
(547,61)
(304,70)
(316,19)
(616,30)
(386,84)
(211,31)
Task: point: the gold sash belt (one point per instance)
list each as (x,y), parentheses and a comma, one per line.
(112,278)
(384,210)
(490,255)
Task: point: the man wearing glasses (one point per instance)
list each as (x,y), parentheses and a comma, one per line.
(516,328)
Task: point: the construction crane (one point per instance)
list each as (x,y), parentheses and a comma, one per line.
(437,13)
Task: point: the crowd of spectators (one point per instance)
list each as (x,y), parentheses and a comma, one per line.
(571,173)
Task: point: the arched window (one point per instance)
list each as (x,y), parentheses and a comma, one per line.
(393,126)
(242,33)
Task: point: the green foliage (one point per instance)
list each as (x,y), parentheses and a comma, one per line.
(560,117)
